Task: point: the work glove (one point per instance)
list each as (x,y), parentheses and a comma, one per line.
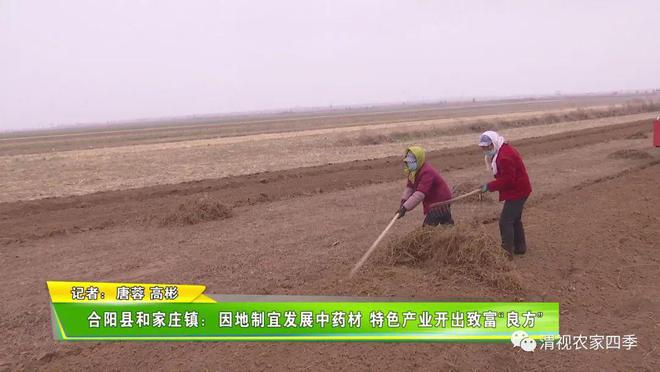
(484,188)
(402,211)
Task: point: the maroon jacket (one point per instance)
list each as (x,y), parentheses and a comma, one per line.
(434,187)
(511,179)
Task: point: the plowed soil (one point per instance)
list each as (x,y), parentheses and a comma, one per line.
(591,223)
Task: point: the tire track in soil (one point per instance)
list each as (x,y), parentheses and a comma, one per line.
(35,219)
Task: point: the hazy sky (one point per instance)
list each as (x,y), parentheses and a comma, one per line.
(74,61)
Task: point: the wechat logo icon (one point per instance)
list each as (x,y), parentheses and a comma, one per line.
(522,340)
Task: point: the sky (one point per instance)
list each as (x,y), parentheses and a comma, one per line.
(85,61)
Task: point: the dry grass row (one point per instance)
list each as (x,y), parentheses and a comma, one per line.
(630,108)
(630,154)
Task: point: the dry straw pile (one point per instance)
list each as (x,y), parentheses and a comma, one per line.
(196,210)
(455,251)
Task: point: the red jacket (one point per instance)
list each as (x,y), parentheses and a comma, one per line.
(511,179)
(434,187)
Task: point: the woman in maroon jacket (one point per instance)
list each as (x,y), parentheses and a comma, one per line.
(512,182)
(426,186)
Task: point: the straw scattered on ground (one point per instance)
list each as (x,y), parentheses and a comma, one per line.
(629,154)
(455,251)
(638,135)
(196,210)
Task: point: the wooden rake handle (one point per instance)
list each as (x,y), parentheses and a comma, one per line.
(359,264)
(455,199)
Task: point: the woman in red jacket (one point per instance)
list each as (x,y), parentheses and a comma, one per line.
(513,184)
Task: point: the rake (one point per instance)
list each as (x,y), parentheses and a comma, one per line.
(371,249)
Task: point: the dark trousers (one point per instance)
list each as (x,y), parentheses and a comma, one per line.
(439,216)
(511,226)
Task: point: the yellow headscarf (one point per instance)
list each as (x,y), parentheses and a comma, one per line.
(420,156)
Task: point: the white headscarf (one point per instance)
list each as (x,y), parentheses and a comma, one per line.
(497,141)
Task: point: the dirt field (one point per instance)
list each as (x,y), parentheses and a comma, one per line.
(299,226)
(77,172)
(213,127)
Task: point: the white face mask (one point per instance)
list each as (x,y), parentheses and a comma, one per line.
(490,153)
(411,162)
